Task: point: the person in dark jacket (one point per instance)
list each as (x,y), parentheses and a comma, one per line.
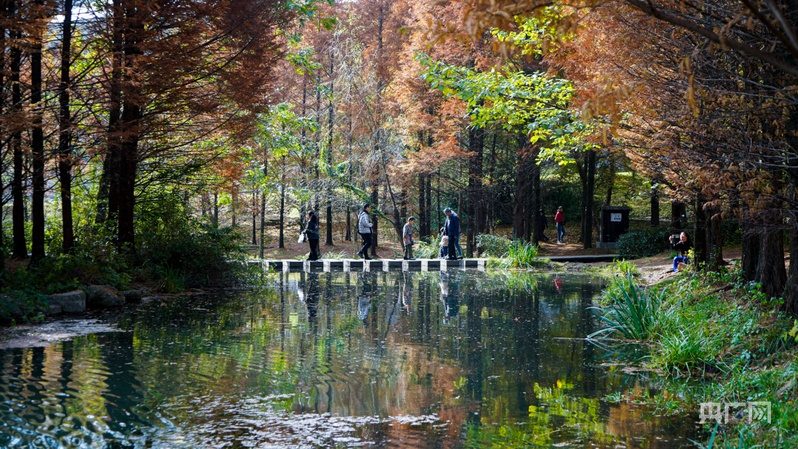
(452,226)
(312,234)
(681,244)
(540,227)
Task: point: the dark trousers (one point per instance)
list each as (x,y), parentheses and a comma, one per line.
(364,251)
(408,251)
(314,249)
(454,246)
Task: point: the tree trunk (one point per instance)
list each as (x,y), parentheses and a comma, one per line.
(677,216)
(699,234)
(20,248)
(422,212)
(654,206)
(375,196)
(37,144)
(715,240)
(589,187)
(254,216)
(772,273)
(523,168)
(476,144)
(751,247)
(791,289)
(65,133)
(262,240)
(330,122)
(4,16)
(282,216)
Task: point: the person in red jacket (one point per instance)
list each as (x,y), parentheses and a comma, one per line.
(559,220)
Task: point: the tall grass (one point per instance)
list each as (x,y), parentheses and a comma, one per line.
(520,254)
(631,311)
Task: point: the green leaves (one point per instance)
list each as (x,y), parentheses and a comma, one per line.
(534,103)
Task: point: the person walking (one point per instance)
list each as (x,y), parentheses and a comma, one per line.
(312,235)
(559,220)
(407,238)
(364,226)
(452,226)
(540,227)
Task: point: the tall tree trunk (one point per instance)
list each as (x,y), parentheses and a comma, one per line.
(715,240)
(772,272)
(538,194)
(700,234)
(262,240)
(130,127)
(523,167)
(282,215)
(4,16)
(476,145)
(375,196)
(20,248)
(37,142)
(589,187)
(65,133)
(422,212)
(108,194)
(751,247)
(254,233)
(330,122)
(791,289)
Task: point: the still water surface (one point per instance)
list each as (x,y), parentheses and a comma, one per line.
(459,359)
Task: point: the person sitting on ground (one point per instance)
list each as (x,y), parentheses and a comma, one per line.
(407,238)
(682,244)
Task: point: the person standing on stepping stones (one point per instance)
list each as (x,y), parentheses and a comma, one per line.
(407,238)
(364,226)
(452,227)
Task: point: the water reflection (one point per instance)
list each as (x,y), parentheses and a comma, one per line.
(400,359)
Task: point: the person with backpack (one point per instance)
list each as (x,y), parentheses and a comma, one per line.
(364,227)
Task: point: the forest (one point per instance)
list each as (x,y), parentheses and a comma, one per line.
(149,139)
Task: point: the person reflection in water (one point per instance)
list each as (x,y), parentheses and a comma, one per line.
(449,295)
(558,283)
(308,293)
(364,298)
(407,292)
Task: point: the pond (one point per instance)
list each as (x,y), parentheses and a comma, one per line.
(390,360)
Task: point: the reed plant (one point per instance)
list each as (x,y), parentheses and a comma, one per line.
(521,254)
(631,311)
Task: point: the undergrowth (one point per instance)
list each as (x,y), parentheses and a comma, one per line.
(718,339)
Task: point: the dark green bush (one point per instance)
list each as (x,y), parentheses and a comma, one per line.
(492,245)
(198,256)
(21,306)
(643,243)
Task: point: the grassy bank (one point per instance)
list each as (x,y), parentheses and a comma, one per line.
(717,341)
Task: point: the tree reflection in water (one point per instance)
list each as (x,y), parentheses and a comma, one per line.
(398,359)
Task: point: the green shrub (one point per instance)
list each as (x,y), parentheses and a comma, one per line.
(426,250)
(21,306)
(492,245)
(643,243)
(631,311)
(200,256)
(520,254)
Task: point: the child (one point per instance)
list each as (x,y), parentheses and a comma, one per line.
(407,237)
(444,251)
